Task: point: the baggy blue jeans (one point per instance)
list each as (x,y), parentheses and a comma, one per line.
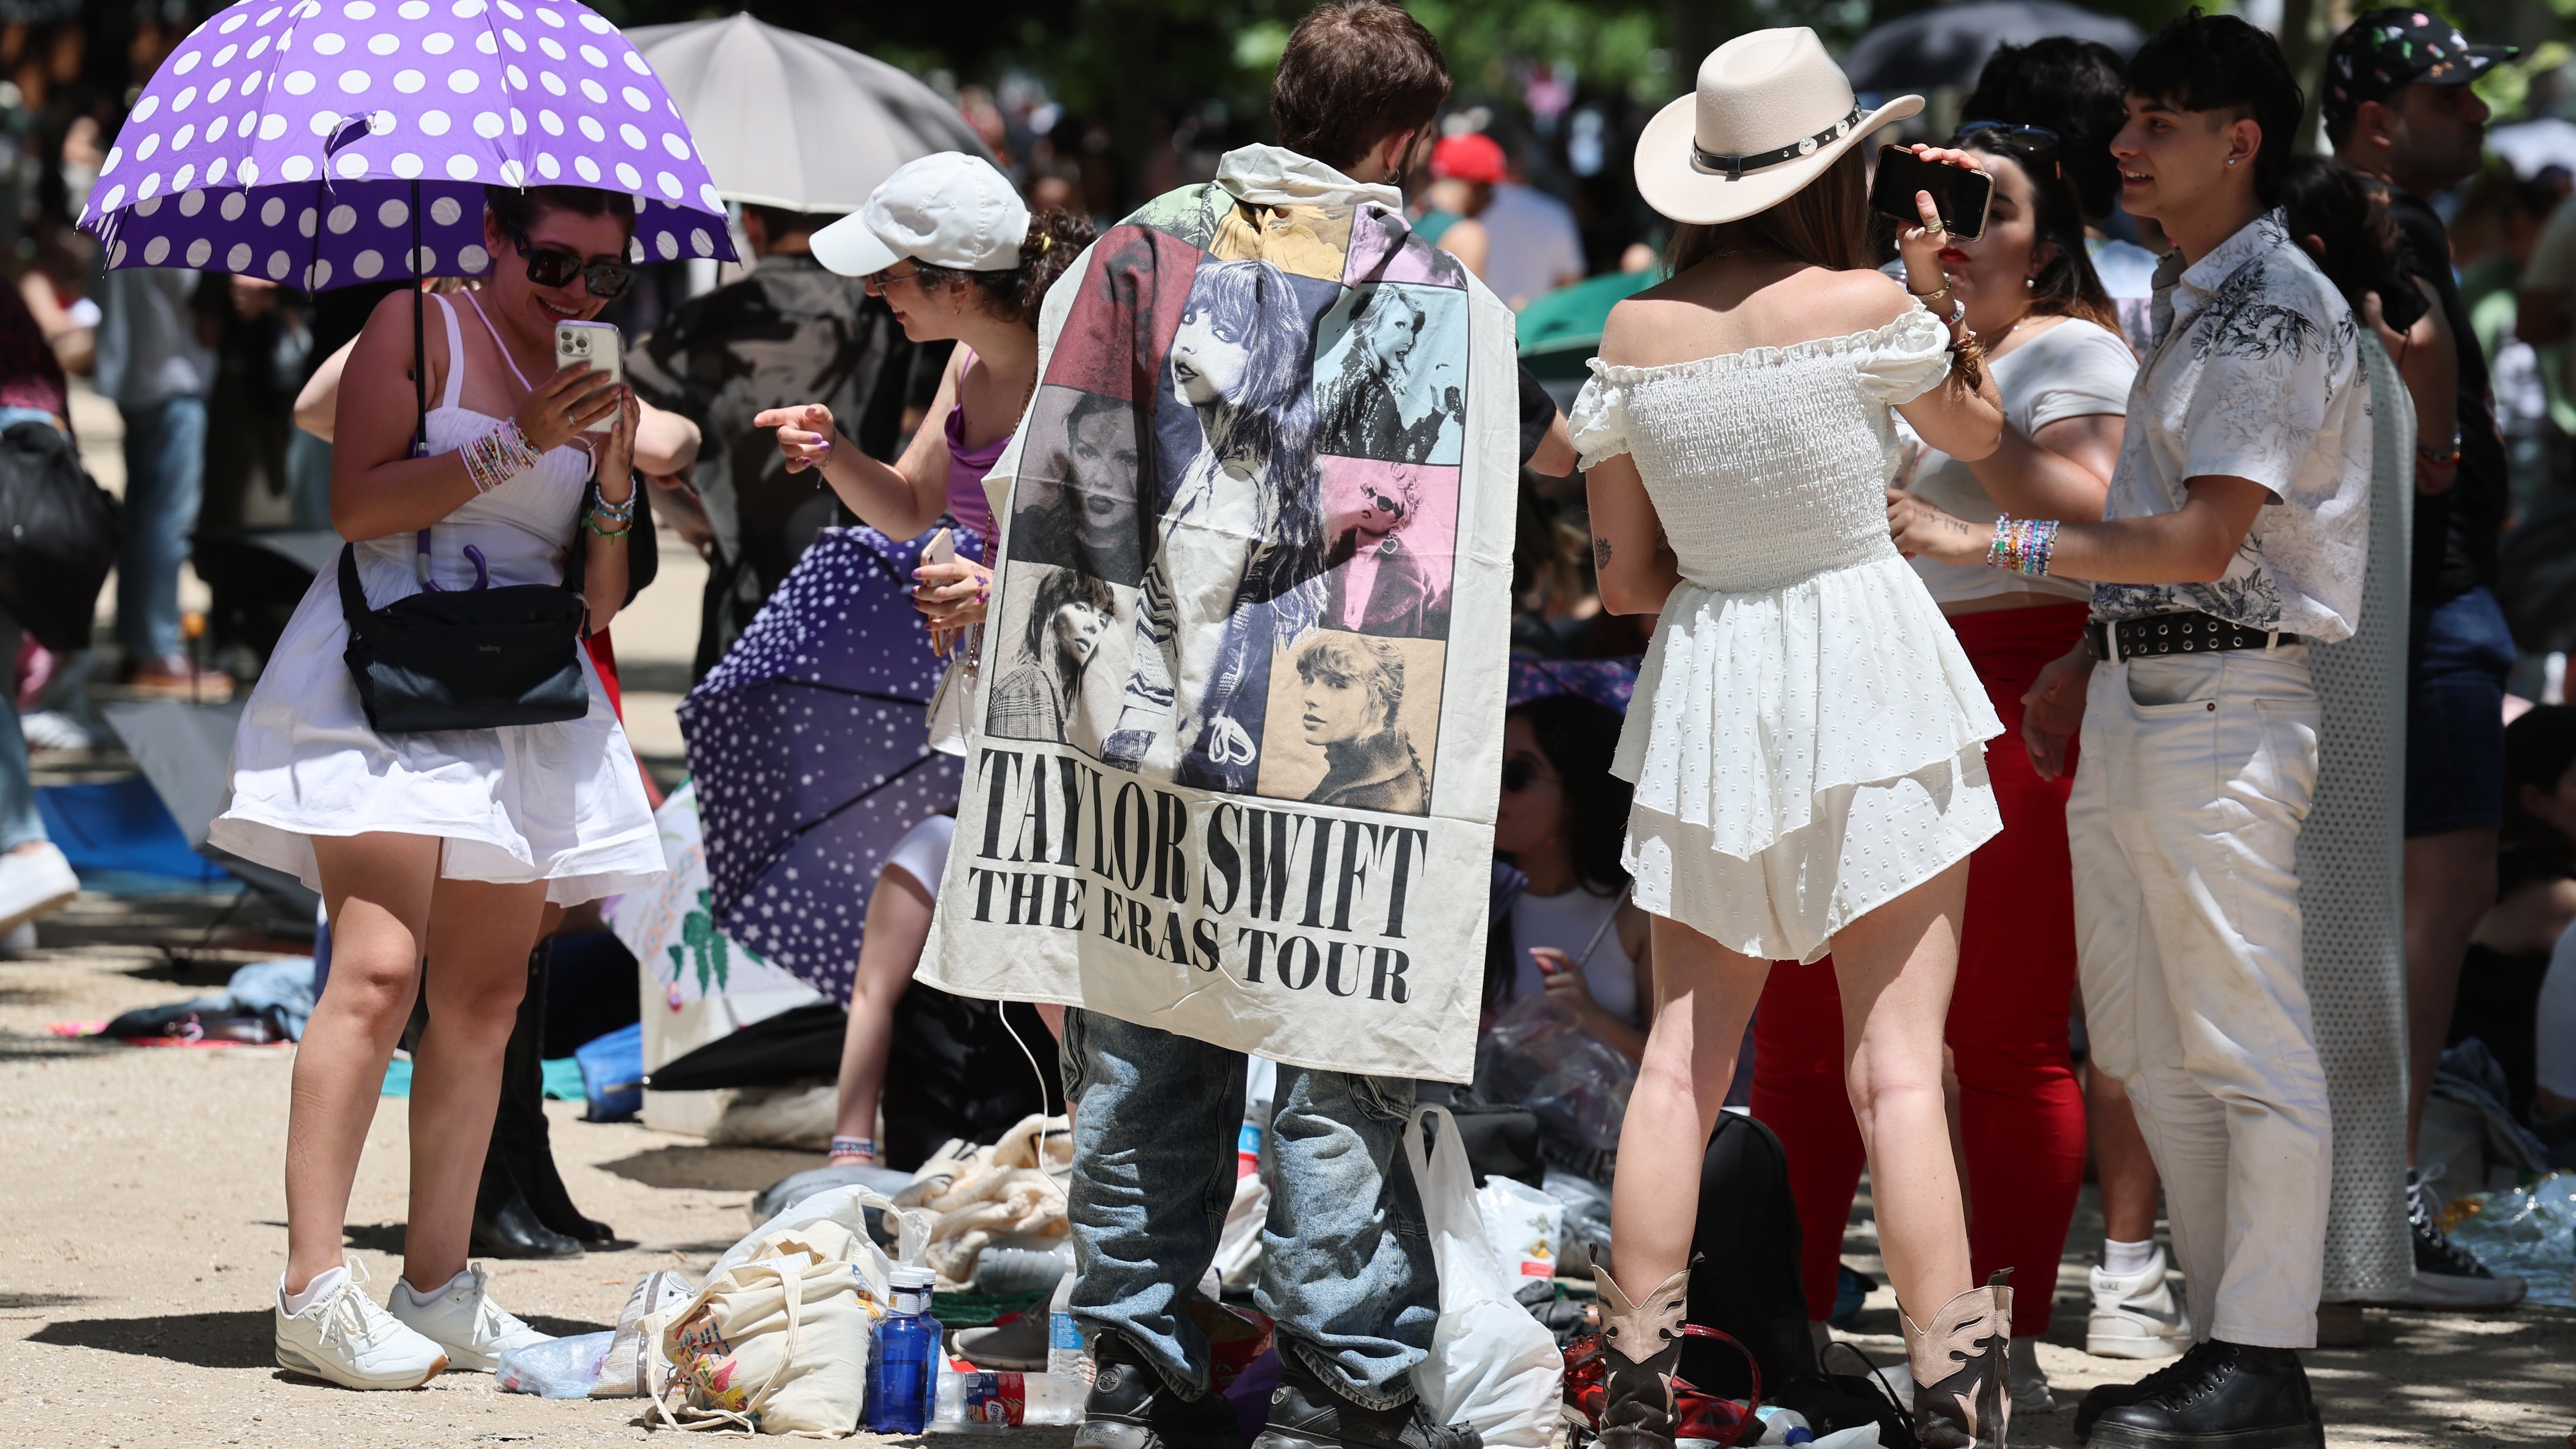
(1346,1267)
(165,483)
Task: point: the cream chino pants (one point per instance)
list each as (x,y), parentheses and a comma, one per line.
(2194,776)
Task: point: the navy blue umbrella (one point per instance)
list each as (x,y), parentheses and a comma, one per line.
(811,751)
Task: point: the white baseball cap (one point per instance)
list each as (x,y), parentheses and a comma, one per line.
(948,209)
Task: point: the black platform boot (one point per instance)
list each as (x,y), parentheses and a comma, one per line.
(519,1132)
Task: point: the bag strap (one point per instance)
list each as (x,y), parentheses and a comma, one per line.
(353,599)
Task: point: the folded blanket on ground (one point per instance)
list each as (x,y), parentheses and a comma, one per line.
(1014,1187)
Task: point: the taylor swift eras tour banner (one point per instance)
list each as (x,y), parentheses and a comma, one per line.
(1242,687)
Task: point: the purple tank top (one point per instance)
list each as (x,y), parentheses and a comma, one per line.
(966,470)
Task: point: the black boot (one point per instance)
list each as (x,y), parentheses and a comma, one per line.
(2103,1398)
(504,1227)
(1308,1413)
(1131,1406)
(1641,1350)
(519,1133)
(2221,1393)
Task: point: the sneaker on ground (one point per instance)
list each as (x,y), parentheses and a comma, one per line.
(1130,1406)
(2026,1381)
(2136,1315)
(342,1337)
(51,729)
(34,884)
(1307,1414)
(2446,1274)
(1016,1341)
(464,1320)
(2223,1393)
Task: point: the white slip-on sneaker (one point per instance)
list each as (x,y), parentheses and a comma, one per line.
(464,1320)
(344,1338)
(34,884)
(2136,1315)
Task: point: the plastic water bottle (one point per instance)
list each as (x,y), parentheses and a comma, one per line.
(905,1360)
(1066,1362)
(983,1401)
(1000,1270)
(1784,1426)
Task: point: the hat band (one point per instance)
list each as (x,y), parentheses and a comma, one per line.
(1734,167)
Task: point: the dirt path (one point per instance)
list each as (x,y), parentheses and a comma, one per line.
(144,1233)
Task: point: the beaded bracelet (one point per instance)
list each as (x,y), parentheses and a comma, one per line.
(2022,545)
(855,1147)
(498,456)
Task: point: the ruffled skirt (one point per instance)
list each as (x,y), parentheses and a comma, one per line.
(1802,755)
(559,803)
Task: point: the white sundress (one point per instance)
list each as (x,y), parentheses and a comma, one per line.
(1807,736)
(562,803)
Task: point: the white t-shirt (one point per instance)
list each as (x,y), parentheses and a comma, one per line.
(2554,1034)
(2072,369)
(2256,373)
(1569,923)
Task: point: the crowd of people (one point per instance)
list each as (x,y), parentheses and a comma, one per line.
(1979,597)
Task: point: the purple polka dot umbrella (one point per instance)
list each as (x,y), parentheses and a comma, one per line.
(318,143)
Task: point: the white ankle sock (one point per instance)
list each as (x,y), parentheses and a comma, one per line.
(323,1282)
(2123,1259)
(420,1299)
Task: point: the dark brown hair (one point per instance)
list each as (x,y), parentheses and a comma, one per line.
(1824,224)
(1355,72)
(1055,239)
(2066,284)
(518,208)
(2324,198)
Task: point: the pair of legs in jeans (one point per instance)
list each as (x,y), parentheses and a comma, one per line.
(1346,1266)
(165,481)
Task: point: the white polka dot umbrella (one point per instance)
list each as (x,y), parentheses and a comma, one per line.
(324,144)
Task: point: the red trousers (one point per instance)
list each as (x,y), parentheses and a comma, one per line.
(2022,1114)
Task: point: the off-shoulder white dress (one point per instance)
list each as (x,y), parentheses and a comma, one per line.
(1807,738)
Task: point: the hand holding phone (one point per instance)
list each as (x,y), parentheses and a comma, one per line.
(941,549)
(597,345)
(1960,192)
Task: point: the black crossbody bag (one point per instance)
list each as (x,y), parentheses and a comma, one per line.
(466,659)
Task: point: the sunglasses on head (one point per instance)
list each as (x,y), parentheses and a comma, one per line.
(2038,139)
(556,267)
(1518,775)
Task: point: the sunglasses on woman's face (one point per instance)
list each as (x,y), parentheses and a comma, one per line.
(1519,773)
(2037,139)
(556,267)
(1386,504)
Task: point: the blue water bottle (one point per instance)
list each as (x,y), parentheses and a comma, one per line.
(903,1368)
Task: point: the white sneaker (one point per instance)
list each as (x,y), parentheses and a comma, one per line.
(2136,1315)
(465,1321)
(51,729)
(33,884)
(345,1339)
(2026,1381)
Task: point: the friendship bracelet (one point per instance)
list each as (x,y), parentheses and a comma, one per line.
(614,512)
(2022,545)
(591,522)
(854,1147)
(498,456)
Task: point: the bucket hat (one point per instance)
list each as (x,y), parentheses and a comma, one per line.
(948,209)
(1770,113)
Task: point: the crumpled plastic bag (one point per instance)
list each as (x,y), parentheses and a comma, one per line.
(1538,1057)
(2529,1232)
(559,1368)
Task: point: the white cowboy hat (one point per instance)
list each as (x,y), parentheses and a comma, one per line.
(1771,112)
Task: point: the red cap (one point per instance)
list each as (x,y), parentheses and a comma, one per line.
(1472,156)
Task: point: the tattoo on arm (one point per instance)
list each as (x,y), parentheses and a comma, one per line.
(1600,553)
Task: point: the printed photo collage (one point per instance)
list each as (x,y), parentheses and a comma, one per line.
(1233,530)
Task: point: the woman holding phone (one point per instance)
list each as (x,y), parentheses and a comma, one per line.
(1807,736)
(443,847)
(955,253)
(2062,372)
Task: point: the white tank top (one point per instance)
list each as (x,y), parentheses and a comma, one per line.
(1568,922)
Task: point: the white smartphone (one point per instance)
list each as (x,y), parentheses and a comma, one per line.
(598,344)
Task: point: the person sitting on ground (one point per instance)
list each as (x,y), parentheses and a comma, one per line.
(2513,951)
(1571,934)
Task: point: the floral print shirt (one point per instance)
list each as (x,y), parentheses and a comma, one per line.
(2255,372)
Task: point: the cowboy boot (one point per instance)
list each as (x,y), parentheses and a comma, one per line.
(1960,1401)
(1643,1343)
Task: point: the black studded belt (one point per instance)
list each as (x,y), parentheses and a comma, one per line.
(2183,633)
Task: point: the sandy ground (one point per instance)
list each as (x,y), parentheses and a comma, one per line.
(142,1197)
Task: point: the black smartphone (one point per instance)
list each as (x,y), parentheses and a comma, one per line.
(1961,195)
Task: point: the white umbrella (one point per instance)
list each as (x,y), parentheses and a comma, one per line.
(789,120)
